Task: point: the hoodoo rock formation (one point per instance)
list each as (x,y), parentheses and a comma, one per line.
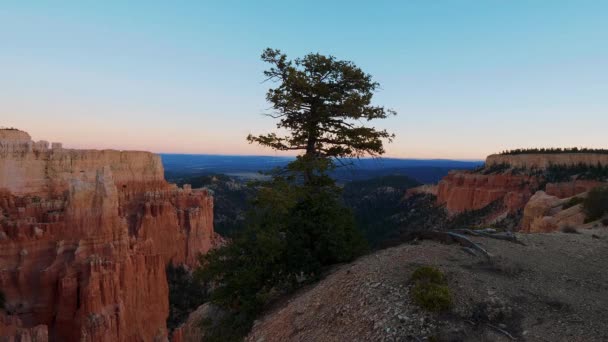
(545,213)
(85,237)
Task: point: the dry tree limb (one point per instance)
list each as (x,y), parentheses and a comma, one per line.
(450,238)
(499,236)
(465,242)
(502,331)
(469,250)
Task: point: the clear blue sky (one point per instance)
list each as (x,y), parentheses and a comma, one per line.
(467,78)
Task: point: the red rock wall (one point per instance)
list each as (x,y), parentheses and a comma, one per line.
(460,191)
(85,241)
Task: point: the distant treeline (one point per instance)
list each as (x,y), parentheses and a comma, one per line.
(555,150)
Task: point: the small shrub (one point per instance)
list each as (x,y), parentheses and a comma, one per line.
(430,290)
(428,274)
(432,297)
(596,204)
(572,202)
(569,230)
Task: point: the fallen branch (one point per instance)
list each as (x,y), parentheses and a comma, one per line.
(470,251)
(508,236)
(502,331)
(450,238)
(465,242)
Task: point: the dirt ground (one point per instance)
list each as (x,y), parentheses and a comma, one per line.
(554,287)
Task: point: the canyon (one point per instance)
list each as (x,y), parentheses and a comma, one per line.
(85,237)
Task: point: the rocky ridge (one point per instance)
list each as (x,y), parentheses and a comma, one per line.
(519,294)
(85,236)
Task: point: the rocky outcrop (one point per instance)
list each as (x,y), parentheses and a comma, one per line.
(544,160)
(85,237)
(461,191)
(545,213)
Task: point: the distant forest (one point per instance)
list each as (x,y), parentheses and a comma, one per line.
(554,150)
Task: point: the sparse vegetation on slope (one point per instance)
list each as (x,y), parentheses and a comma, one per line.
(572,202)
(596,204)
(231,198)
(562,173)
(186,293)
(554,150)
(430,290)
(553,173)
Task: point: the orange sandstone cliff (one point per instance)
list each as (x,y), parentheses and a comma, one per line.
(517,183)
(85,237)
(460,191)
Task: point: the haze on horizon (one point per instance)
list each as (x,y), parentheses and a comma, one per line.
(468,78)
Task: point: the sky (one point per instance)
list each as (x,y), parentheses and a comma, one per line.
(467,78)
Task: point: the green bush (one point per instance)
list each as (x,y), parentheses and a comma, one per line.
(596,204)
(564,173)
(432,297)
(572,202)
(428,274)
(431,291)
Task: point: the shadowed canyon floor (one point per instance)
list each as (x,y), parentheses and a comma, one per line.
(552,288)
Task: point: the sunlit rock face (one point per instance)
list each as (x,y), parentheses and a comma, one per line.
(545,213)
(462,191)
(85,237)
